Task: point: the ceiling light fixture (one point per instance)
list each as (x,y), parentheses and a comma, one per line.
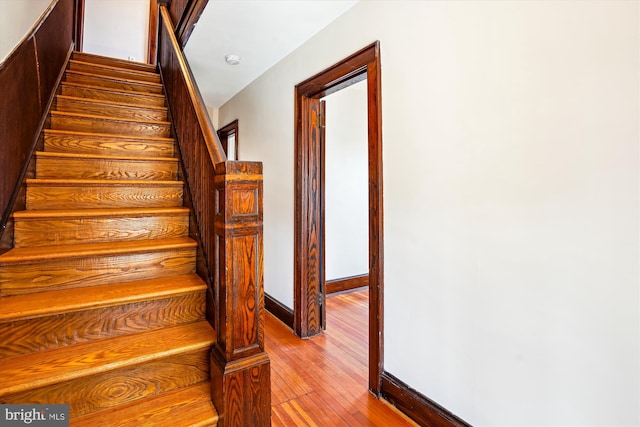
(232,59)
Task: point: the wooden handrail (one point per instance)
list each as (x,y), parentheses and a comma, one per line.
(226,197)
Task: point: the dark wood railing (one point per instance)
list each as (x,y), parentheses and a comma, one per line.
(28,79)
(226,197)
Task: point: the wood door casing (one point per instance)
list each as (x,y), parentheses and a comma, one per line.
(309,247)
(322,294)
(308,314)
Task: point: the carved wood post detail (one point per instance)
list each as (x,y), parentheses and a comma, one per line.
(240,368)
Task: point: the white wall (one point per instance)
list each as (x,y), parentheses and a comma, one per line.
(16,19)
(510,133)
(117,28)
(213,115)
(346,186)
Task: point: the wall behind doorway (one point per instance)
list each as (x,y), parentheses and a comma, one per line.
(346,186)
(117,28)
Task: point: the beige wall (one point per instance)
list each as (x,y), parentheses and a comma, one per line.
(117,28)
(346,209)
(511,199)
(16,19)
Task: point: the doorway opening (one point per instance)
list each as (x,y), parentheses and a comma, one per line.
(309,246)
(345,184)
(229,139)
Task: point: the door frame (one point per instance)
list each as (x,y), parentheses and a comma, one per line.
(309,201)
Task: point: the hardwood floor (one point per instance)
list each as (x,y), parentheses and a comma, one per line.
(322,381)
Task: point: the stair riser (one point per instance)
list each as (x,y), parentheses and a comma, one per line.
(65,168)
(112,62)
(87,144)
(119,386)
(192,403)
(44,333)
(39,276)
(113,126)
(121,74)
(137,98)
(64,197)
(34,233)
(112,83)
(108,110)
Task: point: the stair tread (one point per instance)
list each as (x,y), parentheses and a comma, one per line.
(114,60)
(92,213)
(114,103)
(108,135)
(159,411)
(44,253)
(110,89)
(99,182)
(49,303)
(30,371)
(116,79)
(114,68)
(105,157)
(147,348)
(110,118)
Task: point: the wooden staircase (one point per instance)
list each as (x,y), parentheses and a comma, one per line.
(100,306)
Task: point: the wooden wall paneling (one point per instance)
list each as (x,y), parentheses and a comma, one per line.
(28,78)
(190,18)
(19,116)
(176,11)
(54,40)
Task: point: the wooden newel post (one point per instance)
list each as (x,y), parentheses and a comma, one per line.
(240,368)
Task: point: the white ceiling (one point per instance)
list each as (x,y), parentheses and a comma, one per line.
(261,32)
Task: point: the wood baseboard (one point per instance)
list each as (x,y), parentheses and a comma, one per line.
(346,284)
(279,310)
(420,408)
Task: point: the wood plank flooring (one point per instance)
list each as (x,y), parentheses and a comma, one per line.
(322,381)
